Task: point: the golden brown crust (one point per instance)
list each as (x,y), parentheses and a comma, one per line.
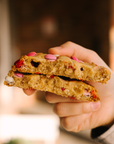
(63,66)
(41,73)
(73,89)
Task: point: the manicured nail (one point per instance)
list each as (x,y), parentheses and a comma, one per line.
(95,105)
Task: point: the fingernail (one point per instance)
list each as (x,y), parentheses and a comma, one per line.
(95,105)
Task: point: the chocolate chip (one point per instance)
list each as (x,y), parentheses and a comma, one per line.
(81,69)
(35,64)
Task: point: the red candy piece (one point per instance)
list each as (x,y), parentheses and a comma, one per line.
(72,97)
(74,58)
(18,63)
(62,88)
(29,88)
(52,76)
(37,73)
(92,91)
(50,57)
(18,75)
(94,96)
(31,54)
(71,67)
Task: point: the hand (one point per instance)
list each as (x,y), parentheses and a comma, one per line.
(75,115)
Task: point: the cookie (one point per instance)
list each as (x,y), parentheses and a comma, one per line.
(55,84)
(39,63)
(62,75)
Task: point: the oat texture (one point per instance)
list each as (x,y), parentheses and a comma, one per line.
(63,66)
(62,75)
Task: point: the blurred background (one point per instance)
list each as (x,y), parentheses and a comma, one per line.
(37,25)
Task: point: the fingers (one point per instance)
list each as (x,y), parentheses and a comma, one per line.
(53,98)
(72,49)
(64,107)
(29,91)
(75,123)
(74,109)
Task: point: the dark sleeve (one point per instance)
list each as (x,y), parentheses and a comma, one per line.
(103,135)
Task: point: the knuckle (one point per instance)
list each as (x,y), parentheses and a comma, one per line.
(85,108)
(93,53)
(58,109)
(67,124)
(49,98)
(77,128)
(69,42)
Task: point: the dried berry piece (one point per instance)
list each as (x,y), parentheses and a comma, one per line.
(72,97)
(93,93)
(18,63)
(94,96)
(52,76)
(30,88)
(38,73)
(70,66)
(62,88)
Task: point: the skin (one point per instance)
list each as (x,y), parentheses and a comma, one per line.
(78,115)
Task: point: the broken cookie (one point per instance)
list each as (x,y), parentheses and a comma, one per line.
(61,66)
(61,75)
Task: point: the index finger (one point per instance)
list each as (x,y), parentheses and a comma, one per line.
(84,54)
(53,98)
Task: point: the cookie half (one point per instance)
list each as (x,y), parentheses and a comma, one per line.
(58,85)
(39,63)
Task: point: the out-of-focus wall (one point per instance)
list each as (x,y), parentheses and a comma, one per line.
(5,52)
(111,36)
(11,99)
(41,24)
